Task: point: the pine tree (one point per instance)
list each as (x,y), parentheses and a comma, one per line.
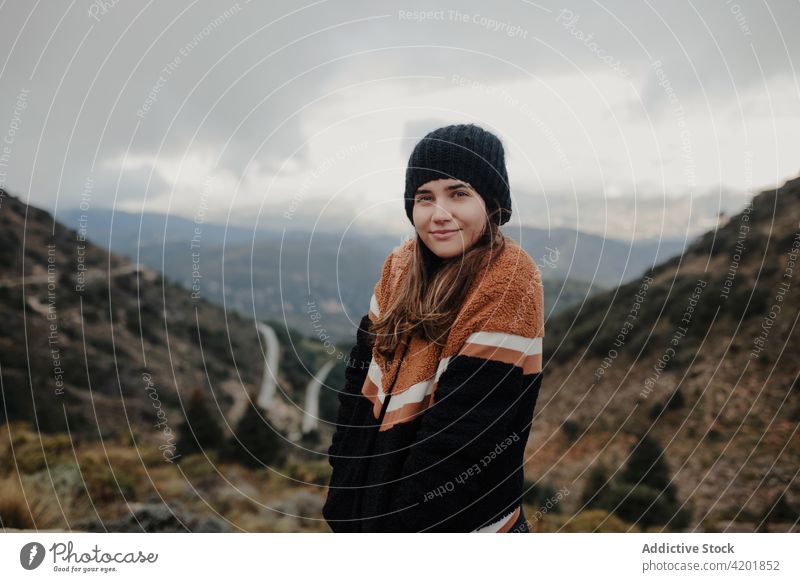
(676,400)
(778,511)
(595,488)
(200,430)
(643,493)
(255,443)
(646,465)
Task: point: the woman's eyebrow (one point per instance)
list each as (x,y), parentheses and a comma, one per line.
(451,187)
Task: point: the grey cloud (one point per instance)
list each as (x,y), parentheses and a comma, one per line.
(217,86)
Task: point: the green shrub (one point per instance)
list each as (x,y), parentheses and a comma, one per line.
(105,485)
(34,453)
(197,466)
(646,465)
(200,430)
(537,495)
(778,511)
(643,494)
(571,430)
(676,401)
(595,487)
(308,472)
(637,504)
(255,442)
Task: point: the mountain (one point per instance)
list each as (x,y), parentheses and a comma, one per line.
(700,353)
(90,339)
(123,232)
(644,214)
(99,355)
(277,275)
(565,254)
(640,213)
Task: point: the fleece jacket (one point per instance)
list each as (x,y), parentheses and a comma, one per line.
(433,440)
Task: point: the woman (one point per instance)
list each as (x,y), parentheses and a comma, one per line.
(443,380)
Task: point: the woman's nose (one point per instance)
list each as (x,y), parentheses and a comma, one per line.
(441,213)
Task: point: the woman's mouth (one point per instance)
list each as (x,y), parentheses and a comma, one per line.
(443,235)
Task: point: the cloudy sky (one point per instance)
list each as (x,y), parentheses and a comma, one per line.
(291,113)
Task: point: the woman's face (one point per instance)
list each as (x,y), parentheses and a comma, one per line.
(449,216)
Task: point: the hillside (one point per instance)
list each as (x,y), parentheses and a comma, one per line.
(86,340)
(91,342)
(714,332)
(100,363)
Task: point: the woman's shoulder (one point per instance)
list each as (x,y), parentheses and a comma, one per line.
(404,251)
(399,260)
(514,270)
(507,300)
(395,265)
(516,251)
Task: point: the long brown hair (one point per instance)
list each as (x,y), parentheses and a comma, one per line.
(430,297)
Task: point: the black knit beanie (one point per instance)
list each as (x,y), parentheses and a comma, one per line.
(461,152)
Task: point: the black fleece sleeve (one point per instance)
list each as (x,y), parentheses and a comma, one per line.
(466,454)
(357,366)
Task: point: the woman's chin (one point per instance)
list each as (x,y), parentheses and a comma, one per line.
(446,250)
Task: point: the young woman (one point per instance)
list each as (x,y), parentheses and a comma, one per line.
(443,380)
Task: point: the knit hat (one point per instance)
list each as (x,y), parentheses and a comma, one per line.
(461,152)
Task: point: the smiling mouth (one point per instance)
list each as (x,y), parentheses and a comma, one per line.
(444,235)
(444,231)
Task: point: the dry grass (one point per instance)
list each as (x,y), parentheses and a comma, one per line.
(26,509)
(594,520)
(51,485)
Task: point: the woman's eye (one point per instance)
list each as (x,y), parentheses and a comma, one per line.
(426,197)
